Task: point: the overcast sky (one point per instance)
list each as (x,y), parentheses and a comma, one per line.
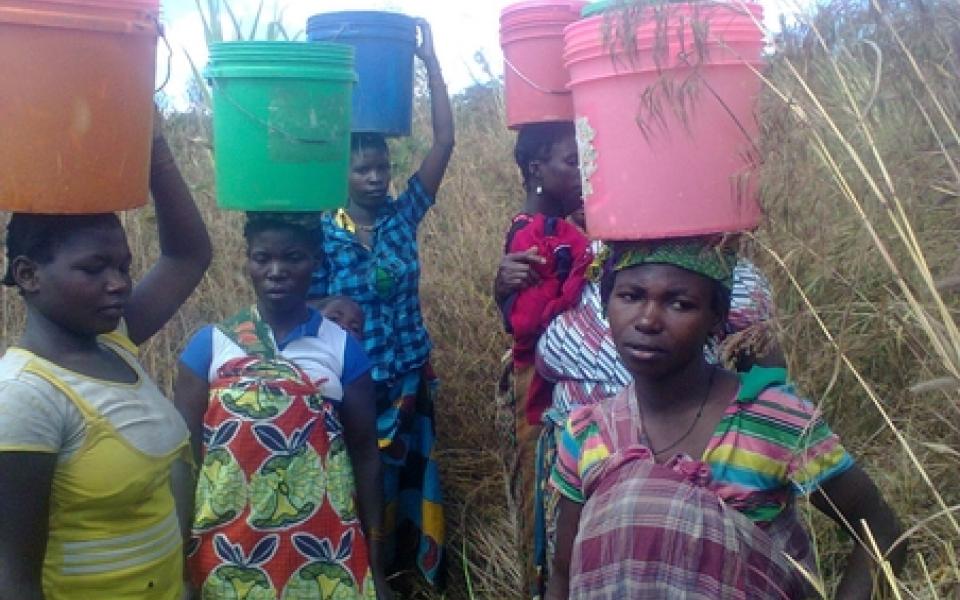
(461,29)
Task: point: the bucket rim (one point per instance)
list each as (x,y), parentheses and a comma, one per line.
(323,29)
(585,41)
(599,8)
(123,5)
(320,73)
(574,6)
(364,17)
(585,35)
(387,14)
(137,22)
(531,33)
(321,34)
(280,50)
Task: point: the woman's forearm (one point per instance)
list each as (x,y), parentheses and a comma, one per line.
(568,523)
(862,568)
(180,227)
(369,482)
(434,165)
(441,113)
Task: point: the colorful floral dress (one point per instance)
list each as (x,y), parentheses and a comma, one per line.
(276,510)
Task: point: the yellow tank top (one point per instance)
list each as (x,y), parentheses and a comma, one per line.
(113,531)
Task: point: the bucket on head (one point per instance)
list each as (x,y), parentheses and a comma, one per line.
(76,104)
(666,138)
(384,44)
(535,78)
(281,124)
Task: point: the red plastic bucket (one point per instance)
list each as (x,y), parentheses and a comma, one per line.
(650,168)
(76,104)
(535,79)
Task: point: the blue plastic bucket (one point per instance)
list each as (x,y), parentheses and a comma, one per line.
(384,45)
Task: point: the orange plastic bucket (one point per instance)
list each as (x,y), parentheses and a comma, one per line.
(651,170)
(535,79)
(76,104)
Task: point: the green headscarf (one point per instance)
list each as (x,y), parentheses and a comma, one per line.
(698,255)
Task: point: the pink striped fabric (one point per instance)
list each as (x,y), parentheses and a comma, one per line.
(657,531)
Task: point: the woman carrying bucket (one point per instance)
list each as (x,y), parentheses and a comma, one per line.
(87,441)
(685,484)
(370,255)
(279,403)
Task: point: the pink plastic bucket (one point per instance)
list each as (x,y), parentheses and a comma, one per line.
(535,80)
(647,174)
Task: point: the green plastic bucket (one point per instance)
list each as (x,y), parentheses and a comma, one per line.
(281,124)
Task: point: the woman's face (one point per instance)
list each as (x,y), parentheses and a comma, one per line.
(369,177)
(281,263)
(660,317)
(85,288)
(559,175)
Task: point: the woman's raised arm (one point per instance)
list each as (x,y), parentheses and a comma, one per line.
(185,250)
(434,165)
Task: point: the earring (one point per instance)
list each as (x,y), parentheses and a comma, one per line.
(539,190)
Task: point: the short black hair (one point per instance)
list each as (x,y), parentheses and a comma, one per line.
(38,237)
(361,141)
(256,225)
(536,140)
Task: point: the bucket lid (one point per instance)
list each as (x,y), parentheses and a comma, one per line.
(281,59)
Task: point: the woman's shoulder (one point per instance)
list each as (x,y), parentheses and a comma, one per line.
(587,419)
(22,377)
(34,413)
(767,393)
(12,363)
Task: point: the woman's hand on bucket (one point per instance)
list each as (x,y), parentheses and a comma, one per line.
(434,165)
(425,49)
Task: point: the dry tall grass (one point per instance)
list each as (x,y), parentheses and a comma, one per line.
(860,129)
(860,187)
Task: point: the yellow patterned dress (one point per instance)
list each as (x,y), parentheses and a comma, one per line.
(276,510)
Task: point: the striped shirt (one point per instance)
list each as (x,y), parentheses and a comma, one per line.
(769,447)
(578,355)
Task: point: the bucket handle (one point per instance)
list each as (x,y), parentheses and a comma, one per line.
(162,33)
(532,83)
(271,128)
